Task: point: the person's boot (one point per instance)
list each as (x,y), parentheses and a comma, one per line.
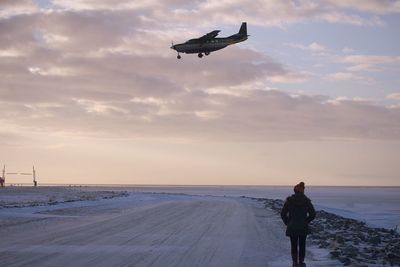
(301,262)
(294,260)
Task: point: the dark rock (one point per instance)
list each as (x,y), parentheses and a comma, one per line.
(324,244)
(345,260)
(392,256)
(340,239)
(375,240)
(350,251)
(335,253)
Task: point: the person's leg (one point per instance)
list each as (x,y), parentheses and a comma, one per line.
(302,248)
(294,241)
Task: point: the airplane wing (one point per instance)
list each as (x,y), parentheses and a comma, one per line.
(208,36)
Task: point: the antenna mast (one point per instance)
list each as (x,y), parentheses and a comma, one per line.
(3,177)
(34,176)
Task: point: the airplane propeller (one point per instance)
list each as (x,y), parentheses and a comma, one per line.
(172,47)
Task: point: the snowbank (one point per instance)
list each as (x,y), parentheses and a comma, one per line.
(18,197)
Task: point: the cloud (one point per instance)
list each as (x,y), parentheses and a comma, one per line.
(256,12)
(10,53)
(314,47)
(53,71)
(9,8)
(127,57)
(99,69)
(255,116)
(347,50)
(369,62)
(8,138)
(342,76)
(372,6)
(317,47)
(289,77)
(395,96)
(370,59)
(106,5)
(364,67)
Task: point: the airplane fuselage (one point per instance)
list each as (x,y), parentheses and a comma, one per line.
(195,47)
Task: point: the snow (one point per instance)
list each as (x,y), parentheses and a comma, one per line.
(377,206)
(146,229)
(31,196)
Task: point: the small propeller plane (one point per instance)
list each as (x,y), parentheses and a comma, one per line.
(209,43)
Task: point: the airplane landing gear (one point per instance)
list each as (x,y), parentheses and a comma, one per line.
(207,53)
(179,56)
(200,55)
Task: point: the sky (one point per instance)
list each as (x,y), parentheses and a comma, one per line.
(91,93)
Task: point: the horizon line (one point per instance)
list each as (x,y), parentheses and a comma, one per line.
(192,185)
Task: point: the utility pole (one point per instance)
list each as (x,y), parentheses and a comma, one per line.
(3,177)
(34,176)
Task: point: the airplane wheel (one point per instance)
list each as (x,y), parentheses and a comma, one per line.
(207,53)
(179,57)
(200,55)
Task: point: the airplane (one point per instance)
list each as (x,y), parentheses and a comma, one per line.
(209,43)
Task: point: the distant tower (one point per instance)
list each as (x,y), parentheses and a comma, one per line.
(3,177)
(34,176)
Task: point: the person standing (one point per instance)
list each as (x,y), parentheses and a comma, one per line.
(297,213)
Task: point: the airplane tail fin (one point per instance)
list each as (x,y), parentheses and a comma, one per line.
(243,29)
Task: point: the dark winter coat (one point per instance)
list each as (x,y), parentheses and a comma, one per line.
(297,213)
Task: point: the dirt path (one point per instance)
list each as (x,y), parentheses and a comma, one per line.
(180,231)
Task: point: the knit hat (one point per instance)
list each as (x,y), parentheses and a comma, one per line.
(299,188)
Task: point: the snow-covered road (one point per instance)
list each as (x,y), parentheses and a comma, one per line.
(149,230)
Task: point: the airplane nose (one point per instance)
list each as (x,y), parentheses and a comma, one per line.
(173,47)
